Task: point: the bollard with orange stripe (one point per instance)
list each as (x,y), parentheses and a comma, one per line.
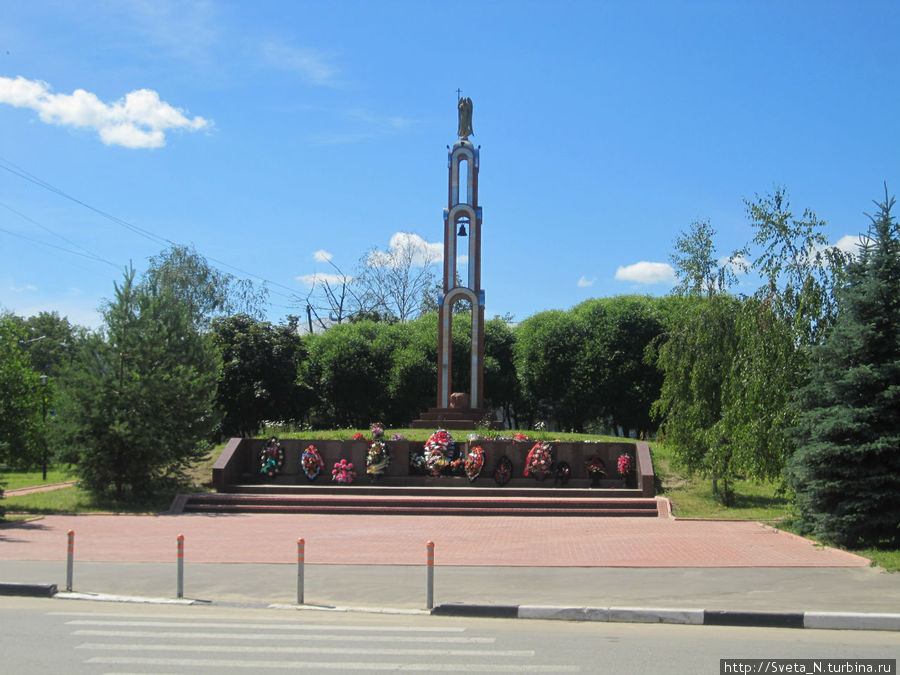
(180,583)
(429,575)
(301,554)
(70,559)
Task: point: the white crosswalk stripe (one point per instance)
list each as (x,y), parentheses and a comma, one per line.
(132,645)
(275,638)
(367,666)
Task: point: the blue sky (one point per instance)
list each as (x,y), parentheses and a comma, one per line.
(262,133)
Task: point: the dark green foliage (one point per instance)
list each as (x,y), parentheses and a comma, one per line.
(21,438)
(766,368)
(588,365)
(348,371)
(621,382)
(364,371)
(553,383)
(258,381)
(412,382)
(696,361)
(137,405)
(846,470)
(51,342)
(501,386)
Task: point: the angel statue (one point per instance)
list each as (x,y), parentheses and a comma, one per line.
(465,118)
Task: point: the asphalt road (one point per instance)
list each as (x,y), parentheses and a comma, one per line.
(54,635)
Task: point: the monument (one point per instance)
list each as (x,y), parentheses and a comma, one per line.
(585,470)
(462,237)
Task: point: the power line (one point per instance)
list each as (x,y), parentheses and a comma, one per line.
(159,239)
(87,253)
(89,256)
(21,173)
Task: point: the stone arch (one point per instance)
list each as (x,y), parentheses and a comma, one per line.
(475,346)
(461,154)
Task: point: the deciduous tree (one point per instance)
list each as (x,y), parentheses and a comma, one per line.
(20,397)
(259,376)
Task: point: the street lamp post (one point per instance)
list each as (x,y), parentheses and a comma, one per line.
(44,415)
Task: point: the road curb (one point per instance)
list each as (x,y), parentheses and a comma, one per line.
(32,590)
(696,617)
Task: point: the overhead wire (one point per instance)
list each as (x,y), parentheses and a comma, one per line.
(85,252)
(89,256)
(148,234)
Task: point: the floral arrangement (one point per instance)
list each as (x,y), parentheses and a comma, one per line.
(563,473)
(520,437)
(539,461)
(439,452)
(624,464)
(398,437)
(417,466)
(357,437)
(474,463)
(377,459)
(271,458)
(377,431)
(311,462)
(595,467)
(343,472)
(503,472)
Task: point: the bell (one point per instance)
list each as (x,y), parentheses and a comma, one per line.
(462,230)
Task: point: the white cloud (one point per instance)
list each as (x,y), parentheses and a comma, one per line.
(738,265)
(584,282)
(320,278)
(19,289)
(139,120)
(849,244)
(322,256)
(311,64)
(646,272)
(407,247)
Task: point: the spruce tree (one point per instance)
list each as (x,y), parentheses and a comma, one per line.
(845,472)
(138,403)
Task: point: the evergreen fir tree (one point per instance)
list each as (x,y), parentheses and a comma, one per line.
(846,470)
(138,404)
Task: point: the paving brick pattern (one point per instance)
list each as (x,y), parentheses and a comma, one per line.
(400,540)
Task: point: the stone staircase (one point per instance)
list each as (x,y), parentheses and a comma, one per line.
(456,419)
(362,500)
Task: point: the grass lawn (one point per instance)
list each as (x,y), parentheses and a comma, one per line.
(692,496)
(423,434)
(74,499)
(14,481)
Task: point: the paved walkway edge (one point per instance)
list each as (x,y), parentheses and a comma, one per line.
(695,617)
